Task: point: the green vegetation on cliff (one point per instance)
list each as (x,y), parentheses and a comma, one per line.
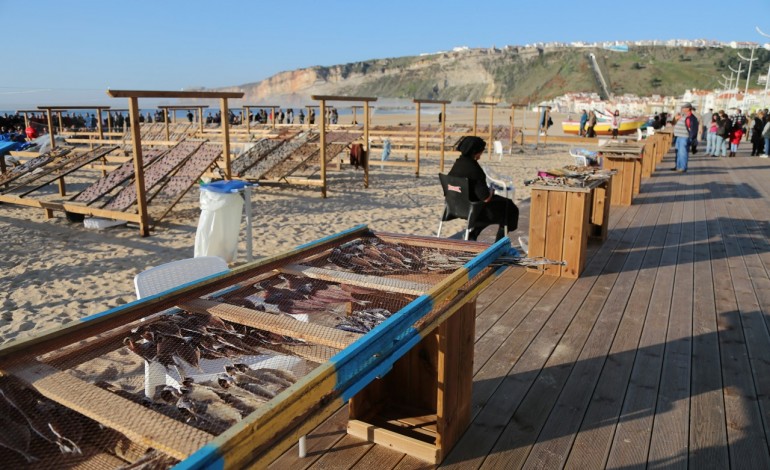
(521,75)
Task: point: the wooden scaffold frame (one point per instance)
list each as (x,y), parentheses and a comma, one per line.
(322,133)
(197,107)
(491,106)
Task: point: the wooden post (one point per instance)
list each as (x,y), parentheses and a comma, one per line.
(490,146)
(443,135)
(99,123)
(226,136)
(322,132)
(26,123)
(136,140)
(165,121)
(475,117)
(275,116)
(200,119)
(510,137)
(109,121)
(417,145)
(366,143)
(52,136)
(248,124)
(61,124)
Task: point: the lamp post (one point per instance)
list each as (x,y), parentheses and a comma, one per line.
(737,78)
(748,74)
(767,79)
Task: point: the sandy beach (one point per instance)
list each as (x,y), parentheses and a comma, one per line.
(55,271)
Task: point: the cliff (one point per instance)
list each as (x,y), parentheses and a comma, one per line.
(510,74)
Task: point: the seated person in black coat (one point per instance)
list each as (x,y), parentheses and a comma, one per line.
(497,210)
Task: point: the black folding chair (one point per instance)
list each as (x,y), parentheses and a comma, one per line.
(457,203)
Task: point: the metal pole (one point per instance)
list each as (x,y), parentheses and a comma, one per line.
(249,224)
(491,142)
(366,141)
(417,144)
(443,134)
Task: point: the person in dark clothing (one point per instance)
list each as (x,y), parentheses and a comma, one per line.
(497,210)
(757,141)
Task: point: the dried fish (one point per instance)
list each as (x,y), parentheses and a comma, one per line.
(14,434)
(363,321)
(42,416)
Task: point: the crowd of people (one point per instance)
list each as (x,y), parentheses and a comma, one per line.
(723,133)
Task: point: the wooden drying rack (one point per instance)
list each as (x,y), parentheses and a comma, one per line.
(42,361)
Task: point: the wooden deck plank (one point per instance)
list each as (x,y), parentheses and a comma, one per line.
(319,441)
(631,441)
(489,423)
(656,356)
(514,313)
(591,444)
(670,432)
(563,407)
(746,340)
(708,433)
(496,309)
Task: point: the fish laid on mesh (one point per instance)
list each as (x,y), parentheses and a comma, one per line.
(373,256)
(183,339)
(363,321)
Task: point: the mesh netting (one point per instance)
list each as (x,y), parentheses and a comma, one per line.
(154,390)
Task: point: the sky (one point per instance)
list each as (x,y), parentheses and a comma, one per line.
(74,50)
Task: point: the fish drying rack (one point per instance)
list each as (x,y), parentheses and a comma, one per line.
(231,370)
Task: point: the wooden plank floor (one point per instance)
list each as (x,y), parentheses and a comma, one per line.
(658,356)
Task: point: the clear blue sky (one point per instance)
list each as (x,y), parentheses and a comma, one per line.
(76,48)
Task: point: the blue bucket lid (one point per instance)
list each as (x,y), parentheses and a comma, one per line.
(226,186)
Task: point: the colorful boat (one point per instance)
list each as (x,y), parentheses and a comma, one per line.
(628,125)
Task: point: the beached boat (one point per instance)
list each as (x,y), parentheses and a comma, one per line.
(628,125)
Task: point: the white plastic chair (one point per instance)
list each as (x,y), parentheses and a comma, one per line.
(500,182)
(176,273)
(582,156)
(497,146)
(165,277)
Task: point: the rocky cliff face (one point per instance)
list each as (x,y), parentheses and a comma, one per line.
(512,75)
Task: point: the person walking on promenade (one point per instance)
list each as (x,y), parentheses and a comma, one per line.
(685,131)
(711,136)
(757,142)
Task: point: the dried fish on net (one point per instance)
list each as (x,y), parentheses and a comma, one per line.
(363,321)
(318,301)
(373,256)
(183,339)
(213,404)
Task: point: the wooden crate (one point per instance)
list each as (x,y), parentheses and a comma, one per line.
(627,182)
(559,227)
(423,405)
(600,211)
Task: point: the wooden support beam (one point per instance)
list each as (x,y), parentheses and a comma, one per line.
(226,136)
(138,423)
(342,98)
(366,144)
(322,132)
(278,324)
(136,139)
(475,117)
(69,207)
(443,135)
(417,144)
(173,94)
(385,284)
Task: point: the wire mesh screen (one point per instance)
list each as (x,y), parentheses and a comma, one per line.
(153,391)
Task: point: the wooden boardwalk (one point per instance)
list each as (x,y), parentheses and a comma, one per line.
(658,356)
